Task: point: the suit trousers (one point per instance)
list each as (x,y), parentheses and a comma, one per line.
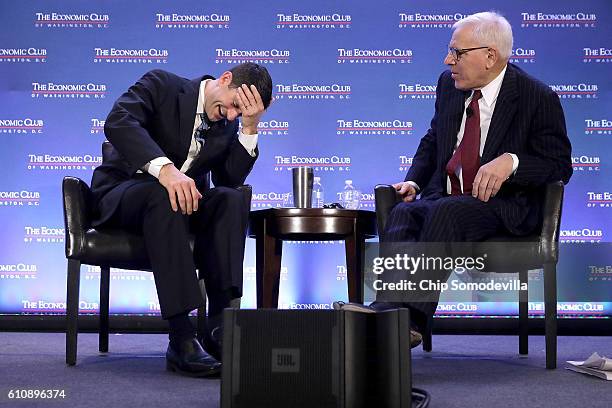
(441,220)
(219,232)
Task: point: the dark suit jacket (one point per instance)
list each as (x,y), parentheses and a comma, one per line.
(528,120)
(155,118)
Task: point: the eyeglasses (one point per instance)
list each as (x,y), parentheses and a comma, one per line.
(456,53)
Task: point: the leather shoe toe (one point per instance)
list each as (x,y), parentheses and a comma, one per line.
(415,338)
(352,307)
(188,358)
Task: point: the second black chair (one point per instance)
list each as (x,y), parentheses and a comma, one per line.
(535,251)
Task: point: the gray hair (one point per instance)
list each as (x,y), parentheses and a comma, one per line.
(491,29)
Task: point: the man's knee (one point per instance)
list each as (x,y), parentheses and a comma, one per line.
(448,218)
(230,198)
(448,207)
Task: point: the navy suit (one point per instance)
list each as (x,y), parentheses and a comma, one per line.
(528,121)
(155,118)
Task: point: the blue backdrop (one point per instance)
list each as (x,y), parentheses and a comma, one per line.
(355,91)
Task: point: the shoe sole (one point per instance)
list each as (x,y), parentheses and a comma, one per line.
(415,339)
(353,308)
(197,374)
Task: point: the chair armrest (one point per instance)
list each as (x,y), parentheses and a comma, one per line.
(77,212)
(553,204)
(385,197)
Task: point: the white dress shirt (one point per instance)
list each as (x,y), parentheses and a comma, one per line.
(249,142)
(486,105)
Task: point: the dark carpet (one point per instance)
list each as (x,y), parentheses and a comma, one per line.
(462,371)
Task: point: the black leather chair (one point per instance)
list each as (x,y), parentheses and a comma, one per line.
(538,250)
(106,248)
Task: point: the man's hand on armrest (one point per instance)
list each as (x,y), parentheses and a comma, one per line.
(406,190)
(181,188)
(492,175)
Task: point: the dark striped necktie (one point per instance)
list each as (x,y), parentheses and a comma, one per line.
(201,131)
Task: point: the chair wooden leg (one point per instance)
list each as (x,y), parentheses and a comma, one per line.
(550,313)
(355,252)
(427,334)
(72,309)
(268,265)
(523,315)
(104,306)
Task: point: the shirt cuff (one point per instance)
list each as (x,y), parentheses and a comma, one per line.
(249,142)
(415,185)
(154,166)
(515,162)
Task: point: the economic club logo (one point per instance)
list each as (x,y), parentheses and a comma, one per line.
(576,91)
(71,20)
(374,56)
(312,91)
(598,127)
(558,20)
(296,21)
(331,163)
(373,127)
(52,90)
(417,91)
(23,126)
(523,56)
(263,56)
(130,56)
(175,21)
(601,55)
(26,55)
(428,21)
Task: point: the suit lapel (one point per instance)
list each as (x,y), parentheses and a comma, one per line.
(187,100)
(505,109)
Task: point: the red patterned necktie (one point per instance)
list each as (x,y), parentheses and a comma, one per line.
(467,155)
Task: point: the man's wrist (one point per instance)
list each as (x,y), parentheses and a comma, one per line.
(415,185)
(164,169)
(154,166)
(515,162)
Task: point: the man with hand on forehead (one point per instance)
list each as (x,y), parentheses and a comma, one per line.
(167,133)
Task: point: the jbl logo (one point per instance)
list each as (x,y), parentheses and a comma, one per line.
(285,360)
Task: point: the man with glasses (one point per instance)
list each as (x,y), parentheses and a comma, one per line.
(496,138)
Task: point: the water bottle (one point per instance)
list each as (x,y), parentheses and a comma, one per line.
(350,196)
(317,193)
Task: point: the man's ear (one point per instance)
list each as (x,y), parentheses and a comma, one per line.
(226,78)
(492,57)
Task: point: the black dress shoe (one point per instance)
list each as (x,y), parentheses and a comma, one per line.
(415,337)
(371,308)
(213,341)
(188,358)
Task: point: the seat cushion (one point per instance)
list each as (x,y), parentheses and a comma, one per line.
(115,248)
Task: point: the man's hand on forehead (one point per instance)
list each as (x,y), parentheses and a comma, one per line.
(251,106)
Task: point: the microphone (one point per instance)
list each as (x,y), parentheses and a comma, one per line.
(469,112)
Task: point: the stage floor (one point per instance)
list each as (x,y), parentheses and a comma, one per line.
(462,371)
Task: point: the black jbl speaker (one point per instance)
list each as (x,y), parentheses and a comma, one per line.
(315,359)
